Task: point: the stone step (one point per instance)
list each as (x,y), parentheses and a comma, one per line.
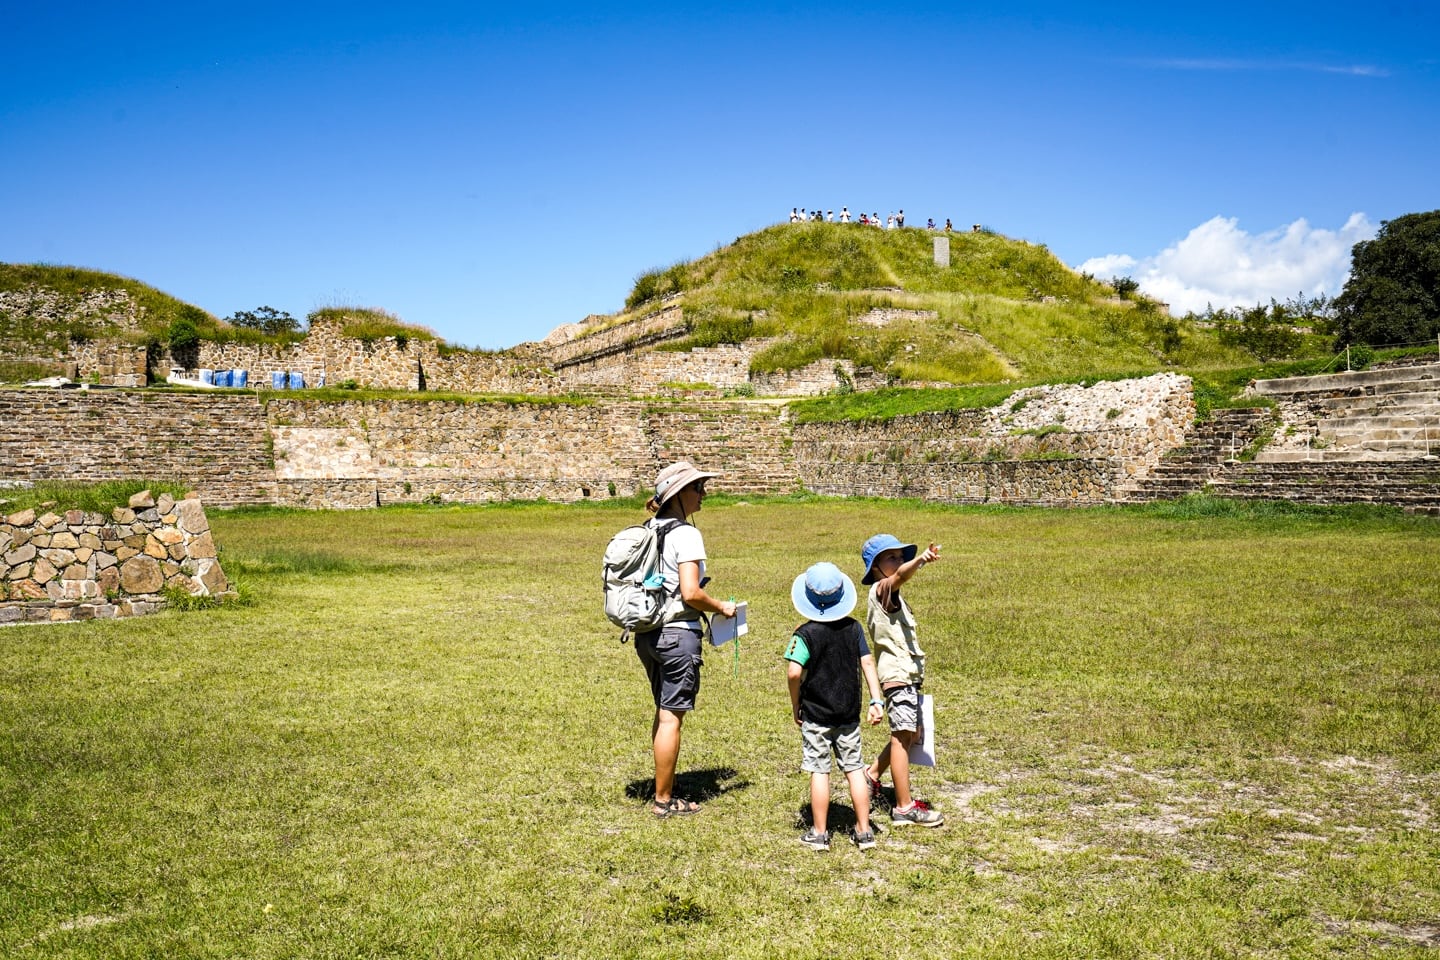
(1387,443)
(1355,454)
(1354,424)
(1364,381)
(1419,467)
(1386,403)
(1360,485)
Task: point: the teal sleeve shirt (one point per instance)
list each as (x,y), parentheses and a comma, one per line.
(797,652)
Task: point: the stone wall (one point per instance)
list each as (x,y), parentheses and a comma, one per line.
(215,443)
(1047,445)
(884,316)
(106,307)
(103,355)
(325,356)
(817,379)
(86,566)
(115,363)
(367,453)
(664,324)
(1039,482)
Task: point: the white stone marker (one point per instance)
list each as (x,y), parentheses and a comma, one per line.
(942,251)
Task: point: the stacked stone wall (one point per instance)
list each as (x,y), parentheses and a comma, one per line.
(817,379)
(664,324)
(519,371)
(326,356)
(85,566)
(413,451)
(1038,482)
(367,453)
(104,355)
(884,316)
(1048,445)
(215,443)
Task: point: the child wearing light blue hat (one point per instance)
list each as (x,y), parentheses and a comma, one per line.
(900,664)
(824,654)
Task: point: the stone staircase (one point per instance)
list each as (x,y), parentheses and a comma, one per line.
(1366,437)
(1383,415)
(1188,469)
(1411,484)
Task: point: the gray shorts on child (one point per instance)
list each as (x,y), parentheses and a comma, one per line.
(902,707)
(819,741)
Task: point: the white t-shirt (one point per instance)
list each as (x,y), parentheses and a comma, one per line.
(683,543)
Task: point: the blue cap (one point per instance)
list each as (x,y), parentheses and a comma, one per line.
(877,545)
(823,593)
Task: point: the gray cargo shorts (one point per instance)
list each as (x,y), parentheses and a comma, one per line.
(902,707)
(820,741)
(671,656)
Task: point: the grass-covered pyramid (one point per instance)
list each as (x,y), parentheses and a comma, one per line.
(1004,309)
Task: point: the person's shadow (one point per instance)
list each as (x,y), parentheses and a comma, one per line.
(697,785)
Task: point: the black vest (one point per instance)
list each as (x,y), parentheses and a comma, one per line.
(830,689)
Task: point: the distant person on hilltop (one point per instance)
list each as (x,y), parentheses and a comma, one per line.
(930,224)
(829,216)
(900,219)
(875,219)
(794,214)
(844,214)
(948,228)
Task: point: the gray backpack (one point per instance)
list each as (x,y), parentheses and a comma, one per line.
(635,594)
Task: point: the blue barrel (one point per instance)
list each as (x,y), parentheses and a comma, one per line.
(277,379)
(297,380)
(239,378)
(222,378)
(207,376)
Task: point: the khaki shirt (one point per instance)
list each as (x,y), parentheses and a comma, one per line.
(898,657)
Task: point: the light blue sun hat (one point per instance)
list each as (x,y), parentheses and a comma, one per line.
(877,545)
(823,593)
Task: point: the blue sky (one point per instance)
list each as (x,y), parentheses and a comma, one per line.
(494,172)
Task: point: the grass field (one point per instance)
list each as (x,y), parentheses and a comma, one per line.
(1161,733)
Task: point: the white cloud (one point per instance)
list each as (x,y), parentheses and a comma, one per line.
(1220,264)
(1230,65)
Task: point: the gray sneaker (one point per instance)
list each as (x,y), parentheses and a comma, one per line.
(864,840)
(918,814)
(816,839)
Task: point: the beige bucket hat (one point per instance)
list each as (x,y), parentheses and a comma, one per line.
(675,478)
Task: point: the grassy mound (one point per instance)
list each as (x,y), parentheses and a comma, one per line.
(1004,309)
(147,316)
(372,323)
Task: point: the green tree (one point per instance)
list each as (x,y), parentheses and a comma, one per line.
(265,319)
(182,335)
(1393,294)
(1267,332)
(1125,286)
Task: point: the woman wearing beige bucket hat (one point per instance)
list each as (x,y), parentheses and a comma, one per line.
(671,654)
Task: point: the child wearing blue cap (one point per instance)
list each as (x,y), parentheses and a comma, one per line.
(900,664)
(823,655)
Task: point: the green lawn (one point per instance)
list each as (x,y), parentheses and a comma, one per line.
(1160,734)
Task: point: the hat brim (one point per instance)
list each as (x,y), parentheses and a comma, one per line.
(681,482)
(808,610)
(907,553)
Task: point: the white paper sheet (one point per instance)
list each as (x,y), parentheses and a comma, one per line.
(724,629)
(922,751)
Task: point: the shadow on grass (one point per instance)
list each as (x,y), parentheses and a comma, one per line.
(697,785)
(841,818)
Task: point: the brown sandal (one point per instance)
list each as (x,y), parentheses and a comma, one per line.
(675,808)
